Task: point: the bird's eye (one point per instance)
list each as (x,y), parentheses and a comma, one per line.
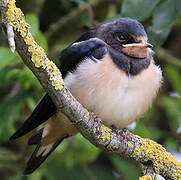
(122,38)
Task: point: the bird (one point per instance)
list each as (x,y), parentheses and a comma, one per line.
(111,71)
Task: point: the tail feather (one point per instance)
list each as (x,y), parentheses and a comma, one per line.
(40,155)
(36,138)
(43,111)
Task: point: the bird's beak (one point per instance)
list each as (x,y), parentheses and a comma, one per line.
(137,50)
(141,45)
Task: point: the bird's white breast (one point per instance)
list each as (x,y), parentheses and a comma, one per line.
(114,97)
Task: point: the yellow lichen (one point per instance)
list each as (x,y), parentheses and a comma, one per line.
(129,144)
(38,56)
(150,150)
(105,132)
(87,112)
(147,177)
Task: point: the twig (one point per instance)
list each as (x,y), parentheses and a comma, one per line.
(148,173)
(10,33)
(165,55)
(91,17)
(116,141)
(16,88)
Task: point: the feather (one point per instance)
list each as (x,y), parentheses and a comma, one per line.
(40,155)
(43,111)
(71,57)
(35,138)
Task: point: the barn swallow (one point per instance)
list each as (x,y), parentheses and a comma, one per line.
(111,71)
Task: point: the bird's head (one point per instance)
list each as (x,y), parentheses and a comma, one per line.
(125,35)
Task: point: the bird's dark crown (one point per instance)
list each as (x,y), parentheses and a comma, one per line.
(128,25)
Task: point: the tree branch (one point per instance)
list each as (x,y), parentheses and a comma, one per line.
(91,127)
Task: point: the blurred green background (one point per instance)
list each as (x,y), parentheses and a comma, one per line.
(57,23)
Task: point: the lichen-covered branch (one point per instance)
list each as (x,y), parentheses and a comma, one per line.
(9,28)
(91,127)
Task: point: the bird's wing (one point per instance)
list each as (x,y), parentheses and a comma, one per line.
(40,154)
(42,112)
(70,58)
(36,137)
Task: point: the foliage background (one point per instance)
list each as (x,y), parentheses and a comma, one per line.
(57,23)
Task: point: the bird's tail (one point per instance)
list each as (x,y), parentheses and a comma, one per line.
(35,139)
(40,154)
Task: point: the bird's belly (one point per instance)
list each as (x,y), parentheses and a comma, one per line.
(121,107)
(113,96)
(115,106)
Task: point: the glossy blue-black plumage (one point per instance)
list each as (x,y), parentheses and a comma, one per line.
(76,53)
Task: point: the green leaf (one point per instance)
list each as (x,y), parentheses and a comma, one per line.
(35,175)
(156,36)
(172,110)
(101,172)
(6,56)
(141,130)
(174,77)
(85,19)
(27,79)
(34,23)
(164,17)
(123,167)
(31,103)
(75,152)
(80,172)
(9,112)
(8,75)
(84,147)
(17,176)
(166,14)
(78,1)
(154,133)
(171,144)
(138,9)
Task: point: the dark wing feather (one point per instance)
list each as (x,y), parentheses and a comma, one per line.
(43,111)
(37,159)
(70,58)
(36,138)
